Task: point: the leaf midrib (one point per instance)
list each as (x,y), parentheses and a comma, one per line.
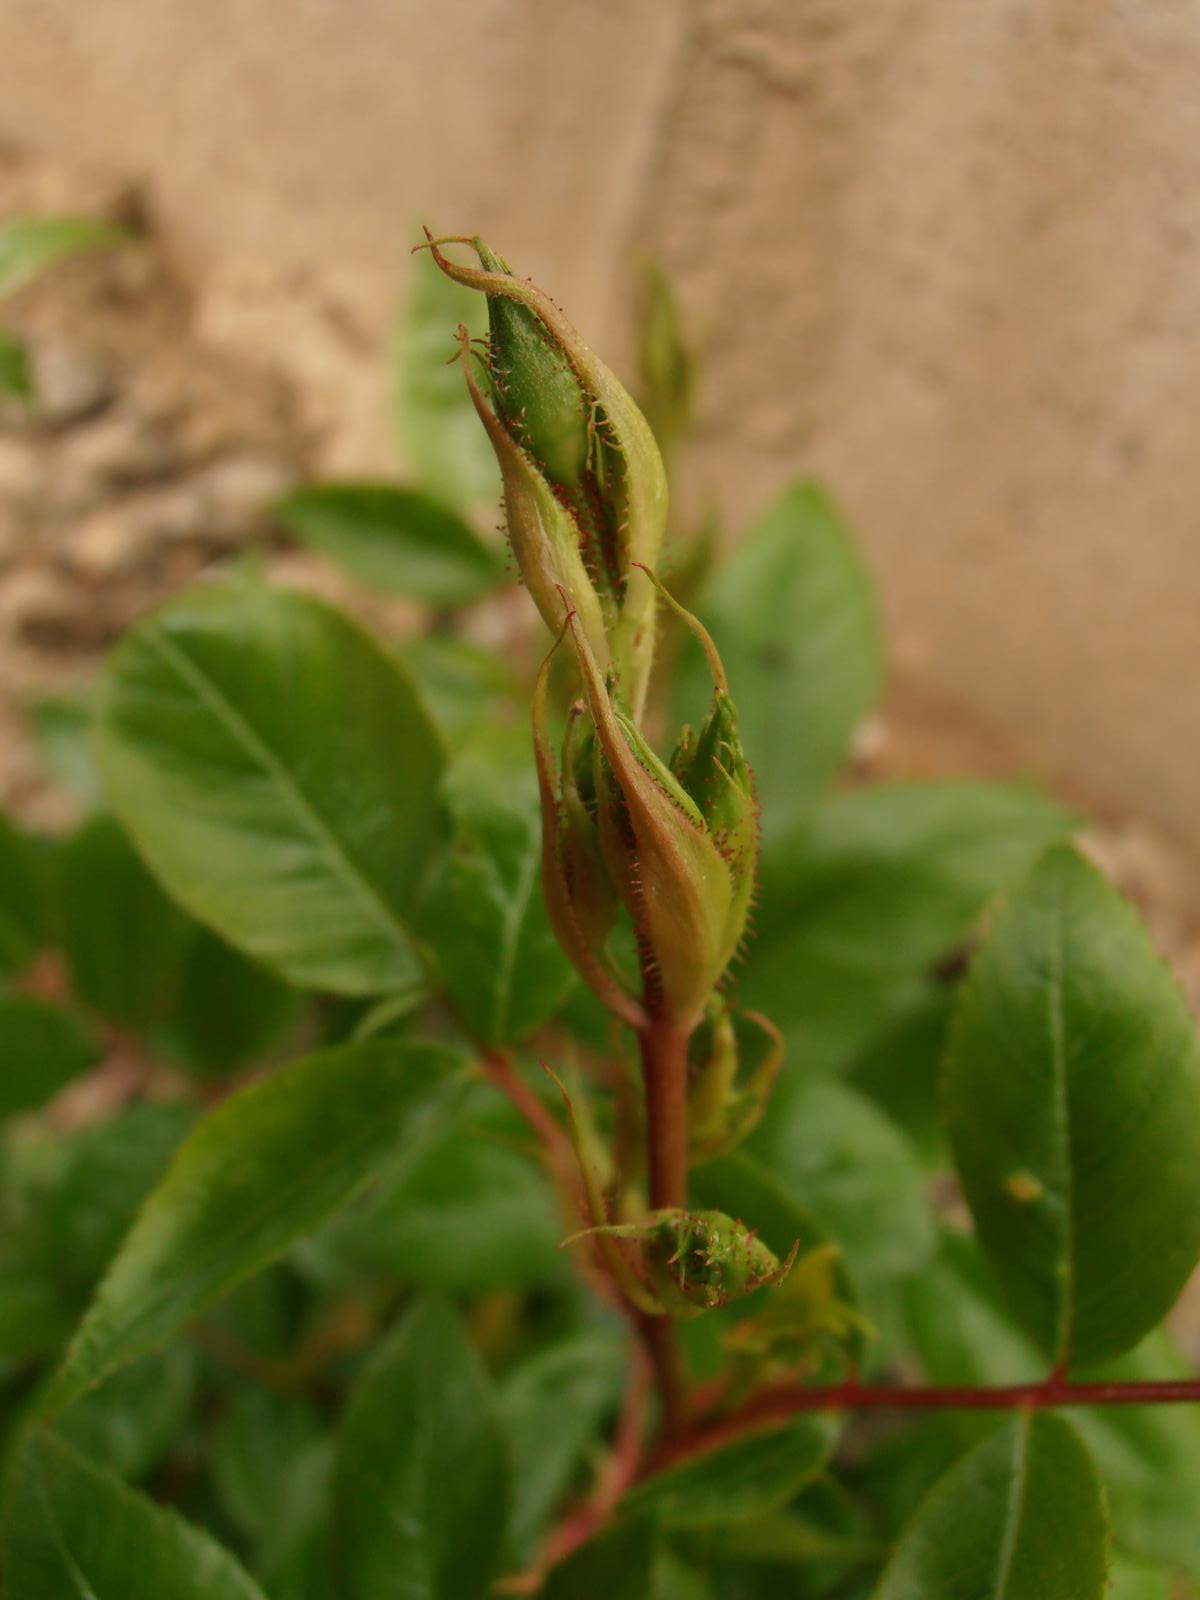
(1013,1506)
(209,1266)
(255,747)
(1056,1022)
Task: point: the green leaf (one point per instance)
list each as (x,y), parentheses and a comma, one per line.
(1148,1456)
(742,1185)
(1021,1517)
(1072,1095)
(485,918)
(131,1421)
(858,910)
(619,1565)
(399,540)
(794,618)
(957,1330)
(1132,1581)
(901,1072)
(228,1010)
(41,1049)
(260,1436)
(420,1491)
(277,772)
(62,725)
(552,1407)
(462,1212)
(122,937)
(293,1555)
(261,1170)
(852,1168)
(676,1580)
(666,366)
(28,245)
(443,443)
(737,1483)
(21,919)
(463,684)
(34,1319)
(71,1531)
(108,1171)
(15,377)
(789,1539)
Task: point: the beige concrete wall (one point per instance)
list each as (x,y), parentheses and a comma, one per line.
(944,252)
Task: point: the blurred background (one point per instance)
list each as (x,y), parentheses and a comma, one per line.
(945,257)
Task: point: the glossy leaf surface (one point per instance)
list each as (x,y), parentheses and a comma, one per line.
(421,1482)
(1072,1094)
(122,937)
(228,1010)
(71,1531)
(1148,1456)
(264,1168)
(853,1169)
(1020,1517)
(739,1482)
(793,616)
(859,909)
(463,1211)
(485,917)
(279,775)
(552,1406)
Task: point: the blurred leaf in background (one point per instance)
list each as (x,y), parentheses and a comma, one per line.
(443,444)
(29,246)
(393,539)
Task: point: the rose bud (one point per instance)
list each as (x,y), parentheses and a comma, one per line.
(584,487)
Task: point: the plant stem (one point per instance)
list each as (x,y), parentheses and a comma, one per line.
(664,1072)
(661,1338)
(776,1404)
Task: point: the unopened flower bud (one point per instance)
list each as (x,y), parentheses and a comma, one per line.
(534,386)
(697,1261)
(680,842)
(580,468)
(580,899)
(712,767)
(592,895)
(673,880)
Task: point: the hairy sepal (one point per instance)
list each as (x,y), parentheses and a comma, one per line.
(670,874)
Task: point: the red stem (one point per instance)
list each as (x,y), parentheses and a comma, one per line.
(664,1072)
(776,1404)
(661,1338)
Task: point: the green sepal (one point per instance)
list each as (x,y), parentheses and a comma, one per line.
(623,489)
(562,863)
(674,882)
(534,385)
(722,1110)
